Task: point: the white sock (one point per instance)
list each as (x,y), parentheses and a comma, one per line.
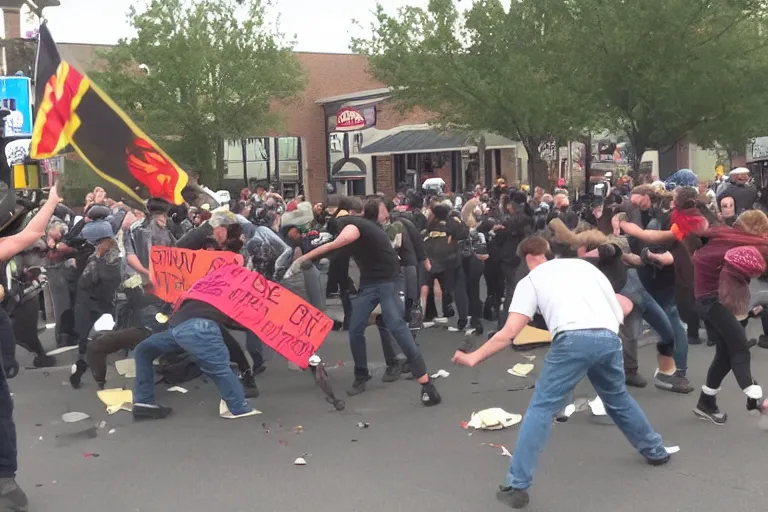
(151,406)
(709,391)
(754,391)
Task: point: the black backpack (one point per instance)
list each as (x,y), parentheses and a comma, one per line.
(176,368)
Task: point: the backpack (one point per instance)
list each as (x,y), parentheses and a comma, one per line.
(176,368)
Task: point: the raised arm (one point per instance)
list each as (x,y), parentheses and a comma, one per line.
(35,230)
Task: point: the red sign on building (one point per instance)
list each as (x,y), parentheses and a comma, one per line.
(348,120)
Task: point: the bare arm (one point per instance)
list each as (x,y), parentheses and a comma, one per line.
(651,236)
(35,230)
(501,340)
(664,258)
(347,236)
(134,262)
(633,260)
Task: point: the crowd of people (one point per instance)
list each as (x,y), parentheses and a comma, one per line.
(673,255)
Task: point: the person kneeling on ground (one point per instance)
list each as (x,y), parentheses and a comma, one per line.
(196,328)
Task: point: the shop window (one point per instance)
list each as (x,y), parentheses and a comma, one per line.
(288,148)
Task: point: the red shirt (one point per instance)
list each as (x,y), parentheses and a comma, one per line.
(708,261)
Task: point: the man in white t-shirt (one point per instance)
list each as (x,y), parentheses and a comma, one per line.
(583,314)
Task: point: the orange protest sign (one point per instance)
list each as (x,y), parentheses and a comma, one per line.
(175,270)
(281,319)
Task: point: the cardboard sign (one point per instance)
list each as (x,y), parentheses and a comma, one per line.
(175,270)
(281,319)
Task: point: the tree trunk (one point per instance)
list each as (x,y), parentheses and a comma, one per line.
(538,170)
(219,162)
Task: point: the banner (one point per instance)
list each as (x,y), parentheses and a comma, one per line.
(287,323)
(175,270)
(73,111)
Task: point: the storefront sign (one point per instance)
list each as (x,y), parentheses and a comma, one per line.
(349,119)
(757,149)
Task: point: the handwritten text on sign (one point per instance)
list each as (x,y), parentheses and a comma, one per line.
(283,320)
(174,270)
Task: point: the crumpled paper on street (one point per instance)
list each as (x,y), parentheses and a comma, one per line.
(116,399)
(521,370)
(494,419)
(126,368)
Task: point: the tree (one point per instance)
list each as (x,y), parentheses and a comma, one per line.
(656,70)
(667,69)
(486,69)
(201,72)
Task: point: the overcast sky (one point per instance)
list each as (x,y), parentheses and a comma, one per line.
(319,26)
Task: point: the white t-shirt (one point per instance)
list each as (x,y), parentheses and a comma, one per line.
(571,294)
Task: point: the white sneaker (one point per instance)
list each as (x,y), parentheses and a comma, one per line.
(225,413)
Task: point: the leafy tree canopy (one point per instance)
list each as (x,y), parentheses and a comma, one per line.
(653,69)
(199,72)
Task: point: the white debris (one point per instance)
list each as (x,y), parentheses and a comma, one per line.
(74,417)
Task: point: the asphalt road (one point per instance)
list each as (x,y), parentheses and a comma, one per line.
(410,458)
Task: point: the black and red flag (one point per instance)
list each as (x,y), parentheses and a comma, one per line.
(73,112)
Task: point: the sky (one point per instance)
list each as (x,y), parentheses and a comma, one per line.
(318,25)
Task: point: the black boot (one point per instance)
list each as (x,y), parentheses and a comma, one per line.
(11,495)
(707,409)
(249,384)
(44,361)
(78,370)
(488,309)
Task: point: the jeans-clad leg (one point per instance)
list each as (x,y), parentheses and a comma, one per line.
(391,312)
(146,352)
(607,377)
(203,340)
(565,365)
(362,307)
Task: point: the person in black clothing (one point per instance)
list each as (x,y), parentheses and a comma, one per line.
(513,228)
(441,242)
(410,248)
(338,271)
(738,187)
(12,497)
(96,291)
(379,271)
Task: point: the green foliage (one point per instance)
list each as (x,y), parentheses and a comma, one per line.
(669,68)
(655,70)
(202,71)
(486,69)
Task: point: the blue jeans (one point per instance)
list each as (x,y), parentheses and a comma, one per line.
(368,297)
(660,311)
(668,304)
(597,355)
(202,339)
